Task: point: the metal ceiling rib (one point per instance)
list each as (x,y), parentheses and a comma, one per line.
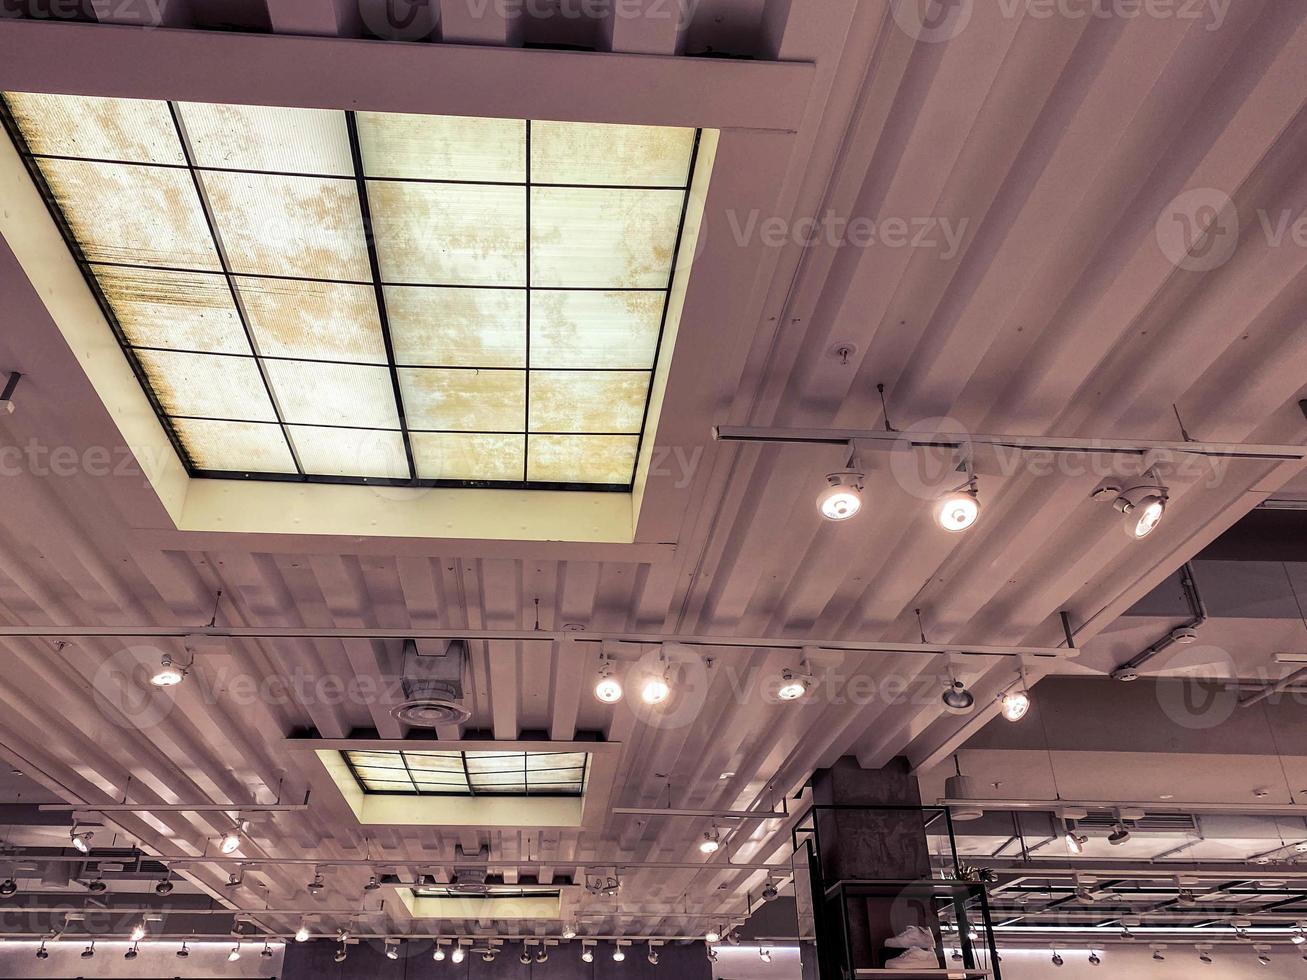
(1057,312)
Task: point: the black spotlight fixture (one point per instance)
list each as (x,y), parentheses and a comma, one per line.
(164,887)
(89,951)
(97,886)
(42,953)
(183,952)
(131,954)
(8,887)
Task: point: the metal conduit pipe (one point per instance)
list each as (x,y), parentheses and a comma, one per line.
(1129,671)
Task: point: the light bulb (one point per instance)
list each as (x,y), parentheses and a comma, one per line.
(655,691)
(230,841)
(168,674)
(1075,844)
(712,936)
(711,841)
(842,499)
(439,954)
(587,955)
(302,933)
(609,688)
(82,840)
(457,955)
(764,955)
(138,932)
(235,954)
(1016,704)
(1147,514)
(957,511)
(792,688)
(618,955)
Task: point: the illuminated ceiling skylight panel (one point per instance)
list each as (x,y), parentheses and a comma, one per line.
(606,238)
(442,147)
(176,310)
(132,214)
(593,329)
(289,226)
(237,447)
(126,130)
(337,452)
(581,459)
(449,234)
(332,321)
(208,385)
(269,139)
(588,401)
(464,400)
(475,456)
(598,154)
(323,393)
(434,761)
(439,327)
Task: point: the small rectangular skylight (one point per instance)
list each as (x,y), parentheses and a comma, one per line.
(365,297)
(470,773)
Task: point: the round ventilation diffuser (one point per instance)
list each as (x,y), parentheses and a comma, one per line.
(430,710)
(433,687)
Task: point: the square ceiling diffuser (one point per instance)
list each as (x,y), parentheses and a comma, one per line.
(357,297)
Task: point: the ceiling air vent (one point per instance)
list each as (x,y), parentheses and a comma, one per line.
(1152,823)
(433,686)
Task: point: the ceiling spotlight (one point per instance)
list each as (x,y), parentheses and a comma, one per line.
(525,956)
(164,887)
(372,884)
(542,954)
(97,886)
(138,932)
(230,841)
(89,951)
(653,955)
(769,892)
(712,954)
(587,955)
(439,954)
(791,687)
(132,953)
(1095,959)
(1016,704)
(457,955)
(234,880)
(1263,955)
(764,955)
(1119,835)
(235,953)
(957,699)
(488,956)
(302,933)
(958,510)
(619,954)
(712,839)
(1075,843)
(712,936)
(656,690)
(842,498)
(266,951)
(42,953)
(1057,958)
(569,932)
(317,884)
(392,949)
(168,674)
(82,839)
(1158,955)
(341,954)
(1143,504)
(608,689)
(183,952)
(8,887)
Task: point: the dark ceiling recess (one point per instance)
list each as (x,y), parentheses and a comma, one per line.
(1263,535)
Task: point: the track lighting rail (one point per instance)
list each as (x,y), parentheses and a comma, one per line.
(426,861)
(1152,807)
(882,440)
(173,807)
(740,644)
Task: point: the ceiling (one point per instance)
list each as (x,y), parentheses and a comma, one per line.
(1029,158)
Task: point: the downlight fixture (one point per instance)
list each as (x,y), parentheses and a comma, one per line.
(97,885)
(958,788)
(235,953)
(1119,834)
(1057,958)
(1016,704)
(184,951)
(792,687)
(456,955)
(392,949)
(372,885)
(302,933)
(658,687)
(769,891)
(958,510)
(164,887)
(438,954)
(764,955)
(842,498)
(619,954)
(524,957)
(132,952)
(1095,959)
(266,951)
(652,956)
(169,673)
(89,951)
(587,955)
(957,699)
(712,936)
(81,839)
(608,688)
(341,954)
(317,884)
(712,840)
(8,887)
(542,954)
(231,840)
(1204,953)
(1158,954)
(41,952)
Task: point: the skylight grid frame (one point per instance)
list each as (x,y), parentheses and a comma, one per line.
(287,427)
(471,789)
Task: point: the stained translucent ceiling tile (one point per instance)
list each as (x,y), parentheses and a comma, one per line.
(251,137)
(468,455)
(433,326)
(593,153)
(588,401)
(442,147)
(207,385)
(464,400)
(595,329)
(131,130)
(449,234)
(581,459)
(127,213)
(606,237)
(360,757)
(435,761)
(179,310)
(289,226)
(321,320)
(242,447)
(371,453)
(312,393)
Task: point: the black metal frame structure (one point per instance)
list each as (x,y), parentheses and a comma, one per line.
(87,267)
